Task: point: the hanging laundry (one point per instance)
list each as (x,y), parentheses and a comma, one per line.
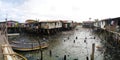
(112,23)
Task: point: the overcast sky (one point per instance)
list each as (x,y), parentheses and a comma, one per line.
(76,10)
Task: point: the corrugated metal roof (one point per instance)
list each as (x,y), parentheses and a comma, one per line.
(49,21)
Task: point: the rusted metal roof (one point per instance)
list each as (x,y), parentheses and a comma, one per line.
(30,21)
(117,18)
(9,21)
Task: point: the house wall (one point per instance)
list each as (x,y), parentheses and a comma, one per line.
(111,27)
(103,24)
(51,25)
(59,24)
(96,24)
(10,24)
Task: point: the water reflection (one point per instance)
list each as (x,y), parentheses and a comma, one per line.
(68,43)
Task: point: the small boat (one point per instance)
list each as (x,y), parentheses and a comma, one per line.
(29,46)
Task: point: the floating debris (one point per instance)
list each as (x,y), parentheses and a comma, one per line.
(76,37)
(74,41)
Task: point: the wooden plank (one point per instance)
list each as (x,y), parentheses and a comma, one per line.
(13,34)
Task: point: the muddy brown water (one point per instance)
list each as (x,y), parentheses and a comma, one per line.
(74,44)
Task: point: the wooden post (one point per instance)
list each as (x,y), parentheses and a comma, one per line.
(48,31)
(65,58)
(52,31)
(93,50)
(50,52)
(41,52)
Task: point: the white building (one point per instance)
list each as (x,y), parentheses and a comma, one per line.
(50,24)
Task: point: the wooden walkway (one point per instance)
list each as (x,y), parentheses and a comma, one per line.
(6,51)
(2,37)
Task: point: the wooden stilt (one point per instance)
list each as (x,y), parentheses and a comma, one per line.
(93,50)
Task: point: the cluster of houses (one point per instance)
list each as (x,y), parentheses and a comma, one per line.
(47,27)
(11,25)
(88,24)
(109,28)
(110,24)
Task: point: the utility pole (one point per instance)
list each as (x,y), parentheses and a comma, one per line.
(6,28)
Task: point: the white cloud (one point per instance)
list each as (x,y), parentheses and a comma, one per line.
(77,10)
